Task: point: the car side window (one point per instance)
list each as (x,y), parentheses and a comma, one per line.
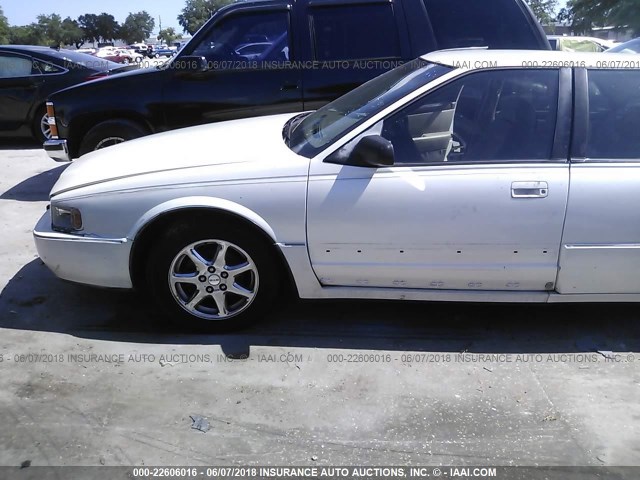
(503,115)
(12,66)
(614,114)
(354,32)
(45,68)
(470,23)
(246,37)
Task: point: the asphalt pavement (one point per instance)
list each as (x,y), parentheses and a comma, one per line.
(90,377)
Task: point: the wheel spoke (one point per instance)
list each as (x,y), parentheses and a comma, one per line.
(191,278)
(221,255)
(196,258)
(237,270)
(239,290)
(219,298)
(197,298)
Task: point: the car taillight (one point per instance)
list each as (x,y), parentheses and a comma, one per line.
(96,76)
(51,115)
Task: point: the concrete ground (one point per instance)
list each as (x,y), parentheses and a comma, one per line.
(342,383)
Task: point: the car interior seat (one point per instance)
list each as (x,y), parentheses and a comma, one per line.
(627,140)
(509,135)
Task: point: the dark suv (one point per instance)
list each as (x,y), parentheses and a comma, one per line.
(275,56)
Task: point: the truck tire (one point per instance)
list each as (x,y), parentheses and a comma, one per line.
(111,132)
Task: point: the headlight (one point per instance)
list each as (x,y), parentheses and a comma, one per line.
(65,219)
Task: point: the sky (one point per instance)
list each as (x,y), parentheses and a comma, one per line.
(23,12)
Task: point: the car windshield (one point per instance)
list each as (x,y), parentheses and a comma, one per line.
(632,46)
(311,134)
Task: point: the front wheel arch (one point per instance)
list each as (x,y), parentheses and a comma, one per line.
(92,127)
(153,229)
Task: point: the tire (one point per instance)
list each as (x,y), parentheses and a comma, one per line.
(207,300)
(39,131)
(110,133)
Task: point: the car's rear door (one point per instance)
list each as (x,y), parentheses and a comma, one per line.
(475,201)
(235,86)
(601,242)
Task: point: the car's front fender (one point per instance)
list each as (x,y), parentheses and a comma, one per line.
(184,203)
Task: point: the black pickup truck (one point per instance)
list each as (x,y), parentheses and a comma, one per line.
(265,57)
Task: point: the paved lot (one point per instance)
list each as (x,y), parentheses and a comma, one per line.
(305,395)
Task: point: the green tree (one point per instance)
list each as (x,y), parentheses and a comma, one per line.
(137,27)
(72,34)
(26,35)
(4,28)
(196,12)
(585,14)
(168,35)
(89,25)
(49,28)
(107,27)
(544,10)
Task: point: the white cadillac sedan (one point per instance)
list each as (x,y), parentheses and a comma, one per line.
(466,175)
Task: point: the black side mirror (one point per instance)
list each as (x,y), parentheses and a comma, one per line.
(372,151)
(190,64)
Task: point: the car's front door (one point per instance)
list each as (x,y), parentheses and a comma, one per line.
(476,198)
(236,85)
(18,88)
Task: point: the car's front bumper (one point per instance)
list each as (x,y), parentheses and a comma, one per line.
(103,262)
(58,150)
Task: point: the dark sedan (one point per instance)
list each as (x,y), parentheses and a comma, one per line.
(29,74)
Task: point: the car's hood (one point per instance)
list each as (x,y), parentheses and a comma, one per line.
(125,74)
(237,141)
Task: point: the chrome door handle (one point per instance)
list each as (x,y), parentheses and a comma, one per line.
(529,190)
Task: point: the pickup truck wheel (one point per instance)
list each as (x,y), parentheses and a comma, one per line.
(41,128)
(214,277)
(110,133)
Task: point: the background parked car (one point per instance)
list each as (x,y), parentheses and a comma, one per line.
(163,51)
(335,52)
(632,46)
(28,75)
(134,57)
(579,44)
(119,55)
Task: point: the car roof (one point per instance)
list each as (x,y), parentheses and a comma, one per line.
(482,58)
(578,37)
(31,48)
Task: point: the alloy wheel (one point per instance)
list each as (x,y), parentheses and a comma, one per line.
(45,128)
(108,142)
(213,279)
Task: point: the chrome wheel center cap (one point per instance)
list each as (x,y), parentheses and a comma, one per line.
(214,280)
